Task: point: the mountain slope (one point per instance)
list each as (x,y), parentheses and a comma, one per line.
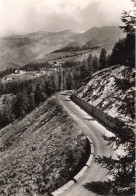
(106,33)
(112,91)
(92,43)
(74,44)
(22,49)
(39,152)
(26,48)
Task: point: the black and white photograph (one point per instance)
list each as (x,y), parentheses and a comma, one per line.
(67,97)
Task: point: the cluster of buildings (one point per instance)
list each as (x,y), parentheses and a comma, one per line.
(56,66)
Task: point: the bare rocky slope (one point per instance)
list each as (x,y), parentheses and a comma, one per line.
(40,152)
(112,90)
(22,49)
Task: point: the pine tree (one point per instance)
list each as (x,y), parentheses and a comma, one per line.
(89,62)
(21,105)
(109,60)
(95,64)
(56,81)
(82,72)
(69,81)
(121,168)
(123,52)
(102,59)
(6,115)
(32,104)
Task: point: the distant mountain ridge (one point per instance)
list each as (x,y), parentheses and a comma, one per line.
(102,33)
(18,50)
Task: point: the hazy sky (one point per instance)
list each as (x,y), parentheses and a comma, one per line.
(25,16)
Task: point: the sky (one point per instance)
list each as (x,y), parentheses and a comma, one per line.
(26,16)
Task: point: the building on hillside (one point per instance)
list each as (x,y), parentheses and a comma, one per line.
(36,75)
(57,64)
(8,79)
(19,72)
(43,72)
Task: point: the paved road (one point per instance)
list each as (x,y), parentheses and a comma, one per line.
(93,129)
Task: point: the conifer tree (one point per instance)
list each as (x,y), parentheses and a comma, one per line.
(102,59)
(95,64)
(124,50)
(21,105)
(89,62)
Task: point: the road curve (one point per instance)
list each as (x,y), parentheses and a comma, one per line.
(92,129)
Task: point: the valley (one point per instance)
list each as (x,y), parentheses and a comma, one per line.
(43,127)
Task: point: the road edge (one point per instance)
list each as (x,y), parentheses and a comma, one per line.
(66,186)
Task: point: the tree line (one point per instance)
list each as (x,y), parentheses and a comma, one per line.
(27,94)
(76,48)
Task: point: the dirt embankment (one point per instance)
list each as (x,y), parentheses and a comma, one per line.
(40,152)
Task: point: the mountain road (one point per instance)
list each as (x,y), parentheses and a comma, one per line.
(94,130)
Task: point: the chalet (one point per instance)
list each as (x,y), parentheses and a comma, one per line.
(19,72)
(58,64)
(36,75)
(43,72)
(8,79)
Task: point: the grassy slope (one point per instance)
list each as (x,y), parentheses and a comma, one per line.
(39,152)
(76,55)
(67,56)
